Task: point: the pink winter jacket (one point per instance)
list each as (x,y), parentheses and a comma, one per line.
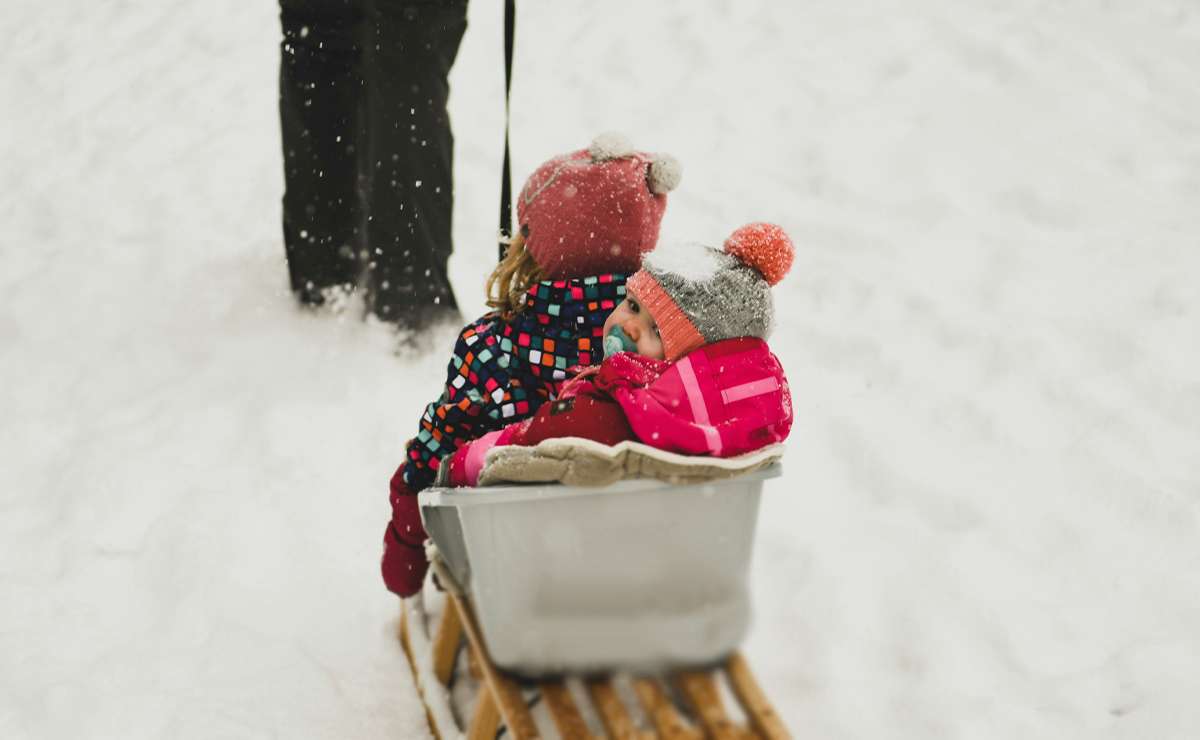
(723,399)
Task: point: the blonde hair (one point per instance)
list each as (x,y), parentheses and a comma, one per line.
(508,283)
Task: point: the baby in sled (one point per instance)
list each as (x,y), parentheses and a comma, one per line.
(687,370)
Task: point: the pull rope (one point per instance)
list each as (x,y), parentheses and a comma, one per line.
(506,230)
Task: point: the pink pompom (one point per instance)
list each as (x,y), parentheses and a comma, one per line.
(765,247)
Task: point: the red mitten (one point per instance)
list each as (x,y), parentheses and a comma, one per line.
(404,563)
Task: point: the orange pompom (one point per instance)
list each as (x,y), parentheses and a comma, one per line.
(765,247)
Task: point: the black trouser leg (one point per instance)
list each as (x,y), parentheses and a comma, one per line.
(320,99)
(409,193)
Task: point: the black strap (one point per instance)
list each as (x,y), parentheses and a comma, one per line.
(506,230)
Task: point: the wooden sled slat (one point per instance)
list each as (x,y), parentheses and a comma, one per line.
(445,644)
(473,666)
(486,719)
(666,718)
(612,711)
(567,719)
(700,690)
(762,715)
(506,694)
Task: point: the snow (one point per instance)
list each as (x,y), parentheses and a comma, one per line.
(988,522)
(690,261)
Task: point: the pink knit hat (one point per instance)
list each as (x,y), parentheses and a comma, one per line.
(596,210)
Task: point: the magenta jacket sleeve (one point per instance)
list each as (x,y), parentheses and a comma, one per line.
(723,399)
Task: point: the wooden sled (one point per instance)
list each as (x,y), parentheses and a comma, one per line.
(681,705)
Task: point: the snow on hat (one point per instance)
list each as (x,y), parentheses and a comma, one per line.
(699,295)
(596,210)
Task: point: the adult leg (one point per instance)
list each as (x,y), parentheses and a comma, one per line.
(408,170)
(320,95)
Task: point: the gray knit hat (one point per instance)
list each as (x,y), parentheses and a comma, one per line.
(699,295)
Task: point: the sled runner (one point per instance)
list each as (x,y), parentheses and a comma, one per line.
(681,705)
(586,612)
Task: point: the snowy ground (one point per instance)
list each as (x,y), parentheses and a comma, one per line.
(988,525)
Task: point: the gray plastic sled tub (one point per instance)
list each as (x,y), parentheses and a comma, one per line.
(634,576)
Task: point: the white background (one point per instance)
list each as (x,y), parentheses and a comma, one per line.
(988,524)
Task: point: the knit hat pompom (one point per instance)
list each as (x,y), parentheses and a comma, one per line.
(664,174)
(610,145)
(764,247)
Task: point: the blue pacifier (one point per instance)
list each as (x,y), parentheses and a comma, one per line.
(618,341)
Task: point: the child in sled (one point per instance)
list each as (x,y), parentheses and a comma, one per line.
(687,368)
(585,219)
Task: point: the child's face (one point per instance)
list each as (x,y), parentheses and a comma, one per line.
(638,325)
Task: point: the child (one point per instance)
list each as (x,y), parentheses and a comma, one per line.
(585,219)
(696,377)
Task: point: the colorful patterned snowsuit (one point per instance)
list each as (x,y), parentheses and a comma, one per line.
(500,372)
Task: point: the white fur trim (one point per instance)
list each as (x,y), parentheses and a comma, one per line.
(557,446)
(608,146)
(665,174)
